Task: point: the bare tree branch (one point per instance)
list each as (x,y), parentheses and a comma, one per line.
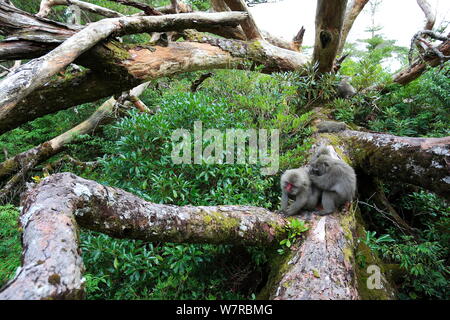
(434,58)
(46,6)
(419,38)
(294,45)
(133,65)
(430,16)
(195,84)
(27,160)
(248,25)
(148,10)
(351,14)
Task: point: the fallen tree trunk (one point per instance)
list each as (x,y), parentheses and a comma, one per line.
(123,67)
(129,67)
(37,72)
(248,25)
(62,94)
(26,161)
(323,267)
(46,6)
(423,162)
(52,265)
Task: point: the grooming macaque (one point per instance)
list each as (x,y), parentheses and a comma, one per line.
(335,178)
(331,126)
(345,89)
(295,184)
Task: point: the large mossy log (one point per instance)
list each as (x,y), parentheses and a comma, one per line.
(52,265)
(423,162)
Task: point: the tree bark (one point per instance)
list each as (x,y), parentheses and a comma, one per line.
(238,33)
(249,26)
(329,20)
(294,45)
(418,67)
(20,25)
(52,266)
(423,162)
(62,94)
(128,68)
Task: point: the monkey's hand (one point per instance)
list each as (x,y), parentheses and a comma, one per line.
(292,210)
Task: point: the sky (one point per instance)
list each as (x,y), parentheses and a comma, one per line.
(400,19)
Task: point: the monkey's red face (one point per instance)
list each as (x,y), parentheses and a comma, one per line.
(289,187)
(292,188)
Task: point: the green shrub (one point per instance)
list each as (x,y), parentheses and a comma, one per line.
(45,128)
(423,258)
(140,162)
(10,247)
(420,108)
(126,269)
(144,165)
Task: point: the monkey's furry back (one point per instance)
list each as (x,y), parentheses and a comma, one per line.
(340,177)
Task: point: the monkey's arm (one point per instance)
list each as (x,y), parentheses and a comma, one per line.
(300,201)
(322,181)
(284,200)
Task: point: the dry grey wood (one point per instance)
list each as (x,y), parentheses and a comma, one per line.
(430,16)
(46,5)
(22,163)
(249,26)
(140,64)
